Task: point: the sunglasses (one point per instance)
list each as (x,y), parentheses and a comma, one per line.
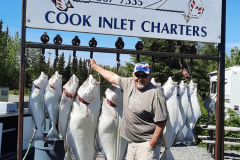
(141,75)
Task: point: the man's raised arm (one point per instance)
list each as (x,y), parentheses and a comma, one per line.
(108,75)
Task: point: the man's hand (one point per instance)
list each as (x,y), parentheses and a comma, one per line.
(157,133)
(108,75)
(153,143)
(91,62)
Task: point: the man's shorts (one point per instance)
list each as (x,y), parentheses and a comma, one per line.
(142,151)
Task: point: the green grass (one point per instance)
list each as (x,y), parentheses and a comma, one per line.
(27,92)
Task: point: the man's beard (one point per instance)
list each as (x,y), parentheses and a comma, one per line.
(139,86)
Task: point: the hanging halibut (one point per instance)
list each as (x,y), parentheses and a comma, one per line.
(35,105)
(185,109)
(69,92)
(109,142)
(174,117)
(155,83)
(196,111)
(83,120)
(52,99)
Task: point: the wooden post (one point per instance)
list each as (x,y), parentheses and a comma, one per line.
(219,145)
(21,83)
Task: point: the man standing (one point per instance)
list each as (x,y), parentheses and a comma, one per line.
(144,111)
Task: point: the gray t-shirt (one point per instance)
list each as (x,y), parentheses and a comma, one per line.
(141,110)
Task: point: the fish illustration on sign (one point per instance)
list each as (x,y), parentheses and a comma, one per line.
(195,10)
(62,5)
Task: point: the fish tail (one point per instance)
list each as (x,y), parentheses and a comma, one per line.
(53,134)
(38,135)
(189,136)
(167,155)
(68,154)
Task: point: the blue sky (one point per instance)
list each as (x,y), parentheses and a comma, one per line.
(11,10)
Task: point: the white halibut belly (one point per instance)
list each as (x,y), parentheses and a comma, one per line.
(36,107)
(184,108)
(195,107)
(64,112)
(111,144)
(172,122)
(52,101)
(82,130)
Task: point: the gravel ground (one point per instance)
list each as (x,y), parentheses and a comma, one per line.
(184,152)
(179,151)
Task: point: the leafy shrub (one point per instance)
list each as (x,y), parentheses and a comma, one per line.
(202,120)
(232,121)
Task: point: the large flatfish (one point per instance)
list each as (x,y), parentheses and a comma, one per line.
(109,142)
(52,100)
(35,105)
(83,120)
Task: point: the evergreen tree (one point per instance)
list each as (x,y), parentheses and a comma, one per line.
(74,65)
(9,54)
(3,55)
(84,74)
(104,84)
(61,64)
(67,72)
(79,72)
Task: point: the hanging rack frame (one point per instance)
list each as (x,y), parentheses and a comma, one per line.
(219,149)
(122,51)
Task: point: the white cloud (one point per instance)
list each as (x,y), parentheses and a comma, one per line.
(231,45)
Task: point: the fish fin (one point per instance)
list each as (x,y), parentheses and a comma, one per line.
(68,154)
(114,114)
(179,137)
(167,155)
(53,134)
(184,130)
(189,136)
(100,147)
(85,111)
(38,135)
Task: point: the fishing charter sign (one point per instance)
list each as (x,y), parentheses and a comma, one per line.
(190,20)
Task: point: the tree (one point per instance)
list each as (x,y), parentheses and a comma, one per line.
(74,65)
(9,54)
(84,74)
(61,64)
(234,58)
(67,71)
(163,67)
(79,71)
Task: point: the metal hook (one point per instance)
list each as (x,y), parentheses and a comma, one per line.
(75,42)
(193,50)
(57,40)
(139,46)
(154,47)
(119,44)
(118,63)
(92,43)
(44,38)
(169,66)
(153,63)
